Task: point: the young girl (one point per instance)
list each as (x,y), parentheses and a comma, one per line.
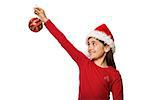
(98,75)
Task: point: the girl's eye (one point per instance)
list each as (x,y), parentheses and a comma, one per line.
(93,43)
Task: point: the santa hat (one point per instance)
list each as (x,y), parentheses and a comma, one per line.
(103,33)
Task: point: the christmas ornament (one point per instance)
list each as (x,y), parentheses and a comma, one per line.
(35,24)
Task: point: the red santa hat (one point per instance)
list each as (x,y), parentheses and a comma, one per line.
(103,33)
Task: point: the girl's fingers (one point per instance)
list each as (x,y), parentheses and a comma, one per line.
(40,13)
(38,10)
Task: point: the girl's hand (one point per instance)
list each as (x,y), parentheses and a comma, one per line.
(40,13)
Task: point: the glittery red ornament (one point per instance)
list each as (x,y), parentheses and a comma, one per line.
(35,25)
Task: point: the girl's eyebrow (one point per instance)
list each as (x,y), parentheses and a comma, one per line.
(92,41)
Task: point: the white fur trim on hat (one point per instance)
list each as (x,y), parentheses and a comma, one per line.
(103,37)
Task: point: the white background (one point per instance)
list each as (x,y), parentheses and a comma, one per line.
(33,66)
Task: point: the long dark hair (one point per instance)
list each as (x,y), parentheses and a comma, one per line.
(110,59)
(109,56)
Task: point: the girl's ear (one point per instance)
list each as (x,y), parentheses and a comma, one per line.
(106,48)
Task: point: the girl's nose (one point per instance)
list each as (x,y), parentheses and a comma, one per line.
(90,47)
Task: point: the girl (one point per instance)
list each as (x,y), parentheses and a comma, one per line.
(98,75)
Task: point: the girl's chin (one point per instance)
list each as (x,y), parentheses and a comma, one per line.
(92,58)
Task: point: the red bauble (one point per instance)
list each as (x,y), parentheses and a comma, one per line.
(35,25)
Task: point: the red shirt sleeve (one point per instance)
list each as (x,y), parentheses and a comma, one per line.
(117,87)
(76,55)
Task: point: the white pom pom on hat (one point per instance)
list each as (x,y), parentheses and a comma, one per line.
(103,33)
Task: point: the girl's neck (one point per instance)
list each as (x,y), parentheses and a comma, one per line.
(101,62)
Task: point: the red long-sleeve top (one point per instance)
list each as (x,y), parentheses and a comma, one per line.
(95,83)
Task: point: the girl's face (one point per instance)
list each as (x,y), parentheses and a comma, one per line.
(96,49)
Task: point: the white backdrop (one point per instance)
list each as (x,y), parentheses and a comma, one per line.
(33,66)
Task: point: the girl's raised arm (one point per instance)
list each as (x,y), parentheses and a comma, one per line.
(76,55)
